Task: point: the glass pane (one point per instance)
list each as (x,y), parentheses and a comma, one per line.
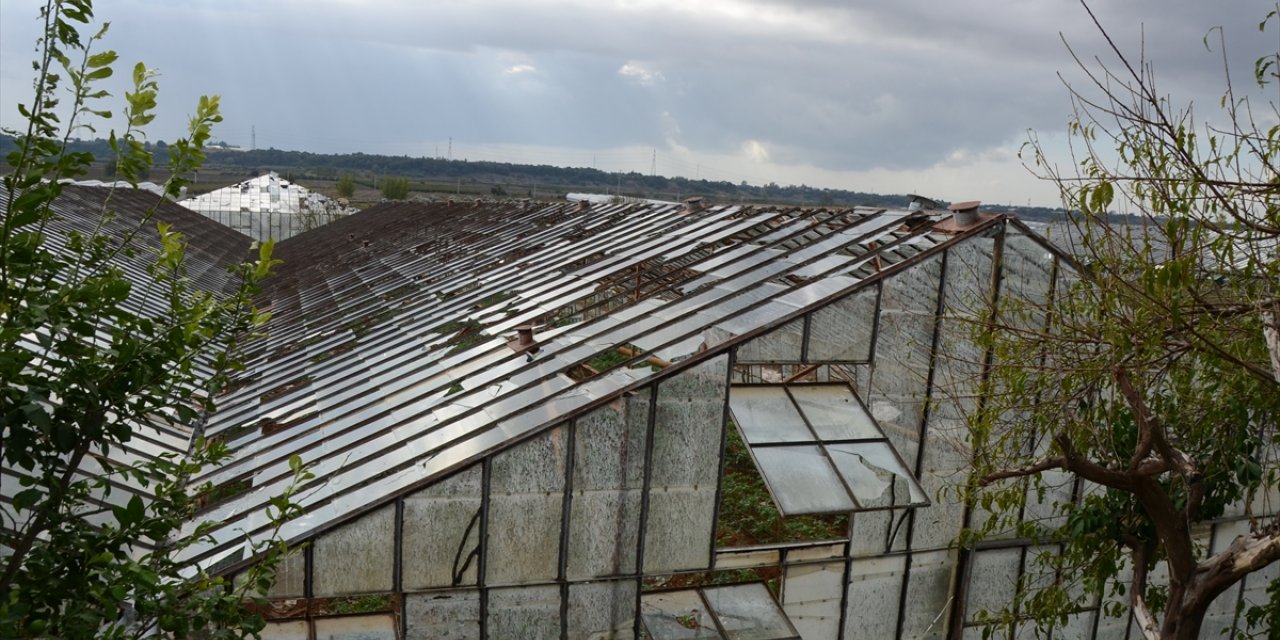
(766,414)
(993,581)
(812,598)
(530,613)
(452,615)
(296,630)
(356,558)
(357,628)
(442,532)
(875,586)
(526,497)
(834,412)
(780,345)
(871,470)
(748,612)
(929,595)
(841,331)
(602,609)
(802,480)
(676,615)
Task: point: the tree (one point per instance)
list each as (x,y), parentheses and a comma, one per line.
(395,188)
(1153,379)
(83,366)
(346,186)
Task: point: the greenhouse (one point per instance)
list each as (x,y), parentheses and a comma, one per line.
(520,418)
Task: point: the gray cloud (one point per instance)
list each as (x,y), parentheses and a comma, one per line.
(833,85)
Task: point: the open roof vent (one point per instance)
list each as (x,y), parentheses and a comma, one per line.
(584,205)
(920,203)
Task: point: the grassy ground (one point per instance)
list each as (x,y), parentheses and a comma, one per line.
(747,512)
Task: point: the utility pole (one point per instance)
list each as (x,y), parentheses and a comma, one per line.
(451,147)
(653,165)
(253,137)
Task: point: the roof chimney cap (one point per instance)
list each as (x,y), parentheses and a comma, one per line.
(694,204)
(919,202)
(965,213)
(524,339)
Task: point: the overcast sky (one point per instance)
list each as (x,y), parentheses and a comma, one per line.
(903,96)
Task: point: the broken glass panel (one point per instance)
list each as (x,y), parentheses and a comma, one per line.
(677,615)
(825,417)
(748,612)
(870,468)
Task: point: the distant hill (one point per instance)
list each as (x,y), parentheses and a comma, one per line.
(520,180)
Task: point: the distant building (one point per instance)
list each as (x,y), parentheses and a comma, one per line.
(268,206)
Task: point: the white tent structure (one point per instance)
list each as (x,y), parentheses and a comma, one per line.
(268,206)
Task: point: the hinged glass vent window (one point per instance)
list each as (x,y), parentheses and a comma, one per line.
(820,451)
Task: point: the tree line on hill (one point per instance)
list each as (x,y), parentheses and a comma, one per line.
(521,180)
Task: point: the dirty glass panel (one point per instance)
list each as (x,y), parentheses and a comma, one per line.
(608,476)
(766,414)
(526,493)
(290,576)
(811,599)
(946,460)
(842,330)
(1078,625)
(442,532)
(603,527)
(295,630)
(833,412)
(870,531)
(609,445)
(928,595)
(748,612)
(968,281)
(1027,269)
(531,613)
(780,345)
(993,581)
(380,627)
(357,557)
(1058,489)
(898,387)
(688,425)
(444,615)
(802,480)
(678,530)
(875,586)
(900,420)
(875,475)
(915,289)
(602,610)
(677,615)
